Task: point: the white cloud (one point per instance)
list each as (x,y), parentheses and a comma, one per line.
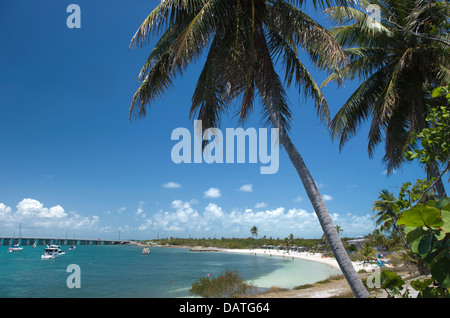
(327,197)
(34,216)
(4,210)
(171,185)
(33,208)
(212,220)
(212,193)
(298,199)
(260,205)
(140,210)
(246,188)
(213,211)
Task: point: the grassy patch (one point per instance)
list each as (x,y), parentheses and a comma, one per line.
(321,282)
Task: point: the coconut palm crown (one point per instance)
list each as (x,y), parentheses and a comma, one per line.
(399,57)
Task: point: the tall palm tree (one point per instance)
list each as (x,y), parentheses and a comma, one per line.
(254,231)
(398,59)
(244,39)
(387,213)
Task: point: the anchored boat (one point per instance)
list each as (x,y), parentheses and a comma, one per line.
(52,252)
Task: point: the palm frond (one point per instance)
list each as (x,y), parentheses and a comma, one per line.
(197,34)
(321,4)
(162,46)
(363,61)
(295,71)
(358,107)
(154,85)
(292,24)
(270,84)
(165,15)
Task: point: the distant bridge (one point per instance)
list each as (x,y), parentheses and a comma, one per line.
(7,241)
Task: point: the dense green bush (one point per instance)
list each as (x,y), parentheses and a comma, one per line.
(226,285)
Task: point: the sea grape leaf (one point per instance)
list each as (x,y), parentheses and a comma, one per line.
(413,237)
(421,215)
(421,285)
(425,244)
(445,216)
(390,280)
(440,268)
(443,204)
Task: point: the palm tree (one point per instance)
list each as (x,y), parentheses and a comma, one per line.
(367,252)
(254,231)
(387,213)
(339,230)
(244,39)
(398,59)
(291,239)
(378,239)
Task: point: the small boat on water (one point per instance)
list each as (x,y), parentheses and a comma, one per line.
(72,248)
(146,251)
(15,248)
(52,252)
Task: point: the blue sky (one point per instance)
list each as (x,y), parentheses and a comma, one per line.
(71,159)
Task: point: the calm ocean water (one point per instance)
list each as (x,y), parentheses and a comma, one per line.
(121,271)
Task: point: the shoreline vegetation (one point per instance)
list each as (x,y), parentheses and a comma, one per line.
(312,250)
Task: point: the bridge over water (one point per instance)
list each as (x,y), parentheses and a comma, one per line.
(7,241)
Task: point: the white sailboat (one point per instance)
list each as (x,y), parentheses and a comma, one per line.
(71,248)
(16,247)
(146,250)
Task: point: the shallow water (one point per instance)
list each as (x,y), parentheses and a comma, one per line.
(121,271)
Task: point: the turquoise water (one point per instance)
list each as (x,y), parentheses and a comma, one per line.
(121,271)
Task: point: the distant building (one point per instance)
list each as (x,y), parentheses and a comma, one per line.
(358,242)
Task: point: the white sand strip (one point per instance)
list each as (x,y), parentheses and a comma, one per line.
(315,257)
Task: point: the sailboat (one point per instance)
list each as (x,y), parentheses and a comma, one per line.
(146,250)
(73,243)
(16,247)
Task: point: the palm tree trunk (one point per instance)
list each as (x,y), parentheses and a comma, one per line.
(324,217)
(315,197)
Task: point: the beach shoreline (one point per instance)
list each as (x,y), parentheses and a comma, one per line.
(336,287)
(308,256)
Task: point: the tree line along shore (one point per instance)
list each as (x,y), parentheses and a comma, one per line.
(359,249)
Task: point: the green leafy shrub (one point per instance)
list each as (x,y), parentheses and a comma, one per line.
(425,220)
(226,285)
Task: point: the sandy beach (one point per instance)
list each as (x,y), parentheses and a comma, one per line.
(315,257)
(334,288)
